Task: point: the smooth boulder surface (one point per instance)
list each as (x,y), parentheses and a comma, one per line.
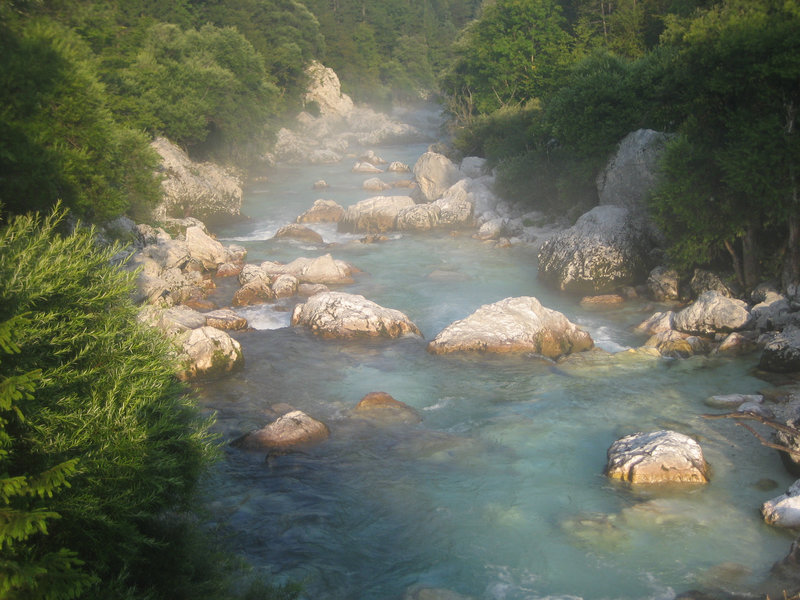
(382,408)
(299,232)
(209,352)
(434,173)
(604,250)
(659,457)
(322,211)
(784,510)
(323,269)
(516,325)
(374,215)
(295,428)
(341,315)
(713,313)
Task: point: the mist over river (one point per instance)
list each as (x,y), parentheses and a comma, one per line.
(499,492)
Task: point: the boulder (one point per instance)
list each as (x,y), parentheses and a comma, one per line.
(285,285)
(340,315)
(658,457)
(662,283)
(791,419)
(372,158)
(202,190)
(382,408)
(736,344)
(602,301)
(706,281)
(784,510)
(323,211)
(323,269)
(225,319)
(676,344)
(374,215)
(713,313)
(375,184)
(293,429)
(208,352)
(365,167)
(772,312)
(513,325)
(733,401)
(398,167)
(250,273)
(420,217)
(631,174)
(657,323)
(205,249)
(472,167)
(310,289)
(299,232)
(605,249)
(320,184)
(781,354)
(256,291)
(456,206)
(434,173)
(325,90)
(493,229)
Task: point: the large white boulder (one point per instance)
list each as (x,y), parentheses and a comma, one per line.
(341,315)
(605,249)
(713,313)
(784,510)
(374,215)
(208,352)
(434,174)
(515,325)
(325,90)
(658,457)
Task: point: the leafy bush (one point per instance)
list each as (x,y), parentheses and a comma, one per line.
(58,138)
(106,413)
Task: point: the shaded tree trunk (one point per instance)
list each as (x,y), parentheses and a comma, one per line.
(736,261)
(750,268)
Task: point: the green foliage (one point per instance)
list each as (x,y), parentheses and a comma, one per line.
(516,52)
(194,84)
(107,431)
(58,138)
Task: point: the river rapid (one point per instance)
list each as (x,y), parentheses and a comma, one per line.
(499,492)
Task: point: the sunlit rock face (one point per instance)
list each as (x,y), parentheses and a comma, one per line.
(208,352)
(657,457)
(341,315)
(434,173)
(381,408)
(202,190)
(784,510)
(323,211)
(293,429)
(325,90)
(513,325)
(713,313)
(374,215)
(606,248)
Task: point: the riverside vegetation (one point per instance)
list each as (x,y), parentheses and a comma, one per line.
(101,449)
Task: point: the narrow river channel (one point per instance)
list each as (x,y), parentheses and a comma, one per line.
(499,492)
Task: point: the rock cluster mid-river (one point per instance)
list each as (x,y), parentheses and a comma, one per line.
(498,491)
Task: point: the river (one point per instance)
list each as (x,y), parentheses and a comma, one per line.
(499,492)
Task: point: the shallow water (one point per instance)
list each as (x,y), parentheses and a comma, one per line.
(498,493)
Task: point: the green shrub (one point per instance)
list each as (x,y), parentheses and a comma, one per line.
(106,411)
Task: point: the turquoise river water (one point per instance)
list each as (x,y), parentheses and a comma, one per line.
(498,493)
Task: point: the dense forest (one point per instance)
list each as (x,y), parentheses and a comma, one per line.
(101,450)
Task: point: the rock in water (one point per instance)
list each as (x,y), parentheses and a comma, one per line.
(782,352)
(434,173)
(784,511)
(294,428)
(380,407)
(374,215)
(341,315)
(605,249)
(658,457)
(712,313)
(209,352)
(513,325)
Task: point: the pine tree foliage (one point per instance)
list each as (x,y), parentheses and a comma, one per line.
(100,442)
(24,571)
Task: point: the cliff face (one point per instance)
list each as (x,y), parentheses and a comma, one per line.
(202,190)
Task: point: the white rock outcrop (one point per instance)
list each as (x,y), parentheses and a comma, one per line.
(513,325)
(658,457)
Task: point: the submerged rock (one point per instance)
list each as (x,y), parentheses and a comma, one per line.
(658,457)
(295,428)
(341,315)
(382,408)
(513,325)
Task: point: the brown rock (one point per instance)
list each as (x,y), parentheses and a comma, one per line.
(253,292)
(290,430)
(381,407)
(299,232)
